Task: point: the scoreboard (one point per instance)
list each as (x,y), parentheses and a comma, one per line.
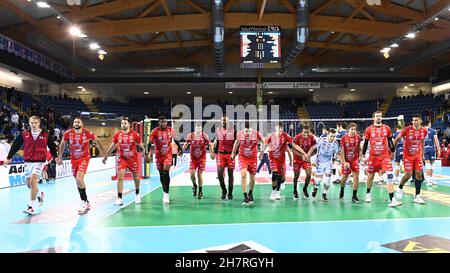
(260,46)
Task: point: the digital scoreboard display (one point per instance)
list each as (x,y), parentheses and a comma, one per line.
(260,47)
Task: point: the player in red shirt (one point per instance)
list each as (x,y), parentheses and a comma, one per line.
(127,143)
(350,153)
(305,145)
(198,140)
(223,147)
(161,140)
(78,139)
(247,141)
(381,152)
(278,143)
(413,145)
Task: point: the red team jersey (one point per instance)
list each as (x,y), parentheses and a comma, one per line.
(412,146)
(350,146)
(198,145)
(378,139)
(127,143)
(248,143)
(162,140)
(278,146)
(79,143)
(226,140)
(305,143)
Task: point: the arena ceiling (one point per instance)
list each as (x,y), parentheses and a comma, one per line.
(153,33)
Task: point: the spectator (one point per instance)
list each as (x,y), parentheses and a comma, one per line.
(15,119)
(4,149)
(94,150)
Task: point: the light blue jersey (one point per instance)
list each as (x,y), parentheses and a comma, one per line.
(325,153)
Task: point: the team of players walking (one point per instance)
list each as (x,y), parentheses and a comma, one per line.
(412,144)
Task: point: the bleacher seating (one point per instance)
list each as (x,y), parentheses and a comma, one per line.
(66,106)
(408,106)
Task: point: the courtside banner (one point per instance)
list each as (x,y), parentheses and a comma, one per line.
(246,85)
(290,85)
(14,175)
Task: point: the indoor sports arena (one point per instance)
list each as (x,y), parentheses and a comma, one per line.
(224,126)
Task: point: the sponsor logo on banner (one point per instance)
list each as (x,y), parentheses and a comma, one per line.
(64,170)
(334,85)
(232,85)
(16,176)
(290,85)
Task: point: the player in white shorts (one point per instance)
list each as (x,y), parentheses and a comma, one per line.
(327,149)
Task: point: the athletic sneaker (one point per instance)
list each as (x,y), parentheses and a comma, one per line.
(429,183)
(399,194)
(380,183)
(295,195)
(250,198)
(355,200)
(278,195)
(166,199)
(324,197)
(84,207)
(119,202)
(194,190)
(337,181)
(246,201)
(137,199)
(200,195)
(273,195)
(314,193)
(305,194)
(31,211)
(394,203)
(230,196)
(282,186)
(368,197)
(40,198)
(419,200)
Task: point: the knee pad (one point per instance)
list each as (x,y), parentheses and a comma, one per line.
(390,177)
(274,176)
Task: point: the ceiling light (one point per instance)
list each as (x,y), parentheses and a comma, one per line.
(58,17)
(230,92)
(386,55)
(102,52)
(94,46)
(435,19)
(411,35)
(405,87)
(332,32)
(146,93)
(43,4)
(82,35)
(394,45)
(92,69)
(270,92)
(310,90)
(74,31)
(385,50)
(80,87)
(352,90)
(411,84)
(83,89)
(188,92)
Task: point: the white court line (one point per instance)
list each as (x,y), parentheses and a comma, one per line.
(272,223)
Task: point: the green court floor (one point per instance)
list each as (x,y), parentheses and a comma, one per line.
(185,210)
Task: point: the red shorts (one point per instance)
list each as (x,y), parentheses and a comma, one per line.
(298,164)
(164,160)
(130,163)
(412,163)
(354,167)
(248,163)
(278,166)
(377,163)
(197,163)
(79,165)
(224,160)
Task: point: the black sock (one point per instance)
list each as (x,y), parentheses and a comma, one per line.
(230,189)
(418,184)
(354,193)
(245,195)
(119,194)
(342,189)
(307,180)
(166,180)
(222,186)
(274,187)
(391,195)
(137,191)
(83,195)
(200,189)
(368,190)
(250,192)
(400,186)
